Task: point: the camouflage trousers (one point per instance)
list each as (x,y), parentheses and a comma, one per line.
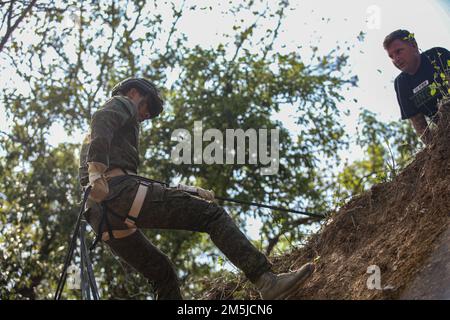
(169,208)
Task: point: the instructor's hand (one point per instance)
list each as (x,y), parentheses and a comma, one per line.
(97,181)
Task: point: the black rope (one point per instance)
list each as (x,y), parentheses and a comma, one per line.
(85,292)
(261,205)
(92,285)
(99,233)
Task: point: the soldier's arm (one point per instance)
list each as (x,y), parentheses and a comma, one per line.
(105,123)
(421,126)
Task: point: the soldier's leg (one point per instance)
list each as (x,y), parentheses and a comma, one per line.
(167,208)
(142,255)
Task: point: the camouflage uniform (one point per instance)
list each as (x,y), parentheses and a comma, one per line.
(114,141)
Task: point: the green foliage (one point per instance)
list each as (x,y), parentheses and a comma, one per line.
(441,78)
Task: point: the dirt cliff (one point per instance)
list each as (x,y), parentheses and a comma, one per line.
(398,231)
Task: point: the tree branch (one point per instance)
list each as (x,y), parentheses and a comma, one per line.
(10,29)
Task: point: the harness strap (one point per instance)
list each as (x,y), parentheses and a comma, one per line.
(131,217)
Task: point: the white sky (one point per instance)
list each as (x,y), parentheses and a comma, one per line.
(343,20)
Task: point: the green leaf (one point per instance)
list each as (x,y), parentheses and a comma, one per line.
(433,92)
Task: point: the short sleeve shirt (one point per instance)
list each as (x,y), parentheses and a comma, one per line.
(414,92)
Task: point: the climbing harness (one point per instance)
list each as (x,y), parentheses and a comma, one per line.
(130,220)
(88,285)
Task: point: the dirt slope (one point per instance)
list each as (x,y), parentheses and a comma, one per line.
(402,227)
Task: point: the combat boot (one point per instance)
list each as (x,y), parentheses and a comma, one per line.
(279,286)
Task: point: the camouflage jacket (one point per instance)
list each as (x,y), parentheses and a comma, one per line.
(113,138)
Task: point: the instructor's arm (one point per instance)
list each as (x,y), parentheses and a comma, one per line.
(421,126)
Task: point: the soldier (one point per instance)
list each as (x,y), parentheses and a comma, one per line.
(121,203)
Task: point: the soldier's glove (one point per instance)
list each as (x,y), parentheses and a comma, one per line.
(97,181)
(205,194)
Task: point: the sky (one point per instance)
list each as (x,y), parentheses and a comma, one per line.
(326,24)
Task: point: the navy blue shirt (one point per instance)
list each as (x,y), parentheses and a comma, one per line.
(413,91)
